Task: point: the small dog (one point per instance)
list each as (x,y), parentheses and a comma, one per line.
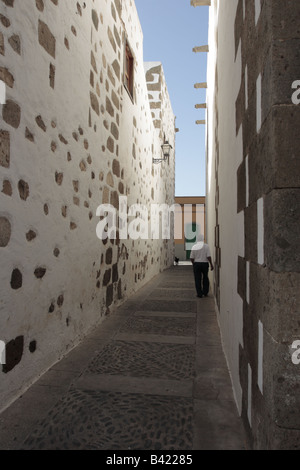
(176,261)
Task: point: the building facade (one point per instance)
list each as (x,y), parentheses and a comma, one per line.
(80,127)
(189,222)
(253,208)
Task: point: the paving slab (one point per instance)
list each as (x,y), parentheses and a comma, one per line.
(153,376)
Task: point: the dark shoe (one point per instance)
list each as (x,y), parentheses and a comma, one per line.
(200,296)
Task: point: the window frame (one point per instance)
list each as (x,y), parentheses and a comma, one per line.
(128,74)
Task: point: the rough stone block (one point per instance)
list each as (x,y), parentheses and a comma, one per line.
(109,256)
(110,180)
(285,146)
(116,168)
(5,21)
(7,188)
(284,21)
(2,45)
(238,25)
(109,295)
(110,144)
(95,19)
(12,113)
(4,149)
(115,274)
(6,77)
(251,232)
(95,103)
(40,123)
(277,300)
(111,39)
(93,62)
(5,232)
(118,5)
(250,336)
(14,353)
(241,287)
(261,171)
(115,99)
(15,43)
(52,75)
(40,5)
(114,130)
(23,188)
(281,383)
(117,36)
(280,70)
(109,107)
(249,124)
(284,439)
(114,199)
(9,3)
(16,279)
(117,68)
(241,187)
(46,38)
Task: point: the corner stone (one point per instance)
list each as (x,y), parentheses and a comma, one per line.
(12,113)
(4,149)
(46,39)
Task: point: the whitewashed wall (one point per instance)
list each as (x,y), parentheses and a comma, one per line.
(71,139)
(224,155)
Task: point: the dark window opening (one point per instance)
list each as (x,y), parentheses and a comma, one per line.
(129,69)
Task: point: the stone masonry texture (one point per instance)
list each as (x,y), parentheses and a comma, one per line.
(270,48)
(67,132)
(253,204)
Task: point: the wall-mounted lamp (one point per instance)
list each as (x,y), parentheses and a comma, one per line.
(166,152)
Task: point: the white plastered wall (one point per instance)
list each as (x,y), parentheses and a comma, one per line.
(37,311)
(222,94)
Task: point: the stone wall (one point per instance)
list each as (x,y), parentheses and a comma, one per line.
(71,138)
(254,203)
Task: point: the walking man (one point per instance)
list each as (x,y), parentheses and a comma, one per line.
(201,259)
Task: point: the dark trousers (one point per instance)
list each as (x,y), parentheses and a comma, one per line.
(201,278)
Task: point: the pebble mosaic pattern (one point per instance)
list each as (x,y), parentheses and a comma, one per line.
(182,294)
(160,326)
(171,305)
(172,361)
(94,420)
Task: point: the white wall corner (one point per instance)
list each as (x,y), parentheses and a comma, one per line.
(249,409)
(260,355)
(248,282)
(258,103)
(260,231)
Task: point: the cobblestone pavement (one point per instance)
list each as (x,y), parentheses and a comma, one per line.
(152,376)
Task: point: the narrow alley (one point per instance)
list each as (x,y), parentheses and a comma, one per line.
(153,376)
(103,342)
